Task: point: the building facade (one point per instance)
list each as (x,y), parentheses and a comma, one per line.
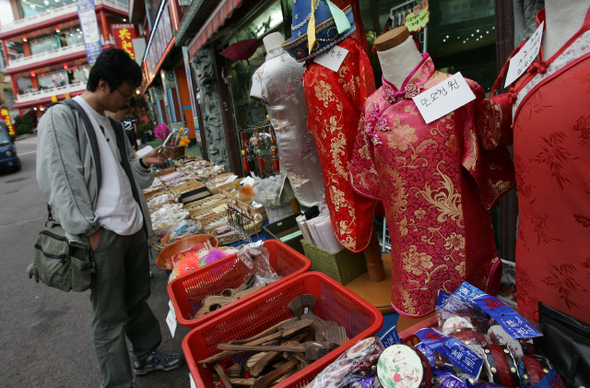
(44,49)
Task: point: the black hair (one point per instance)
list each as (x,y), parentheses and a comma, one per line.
(114,66)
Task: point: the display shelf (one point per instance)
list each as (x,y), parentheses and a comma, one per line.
(376,293)
(379,294)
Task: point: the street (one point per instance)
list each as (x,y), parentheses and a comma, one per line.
(45,333)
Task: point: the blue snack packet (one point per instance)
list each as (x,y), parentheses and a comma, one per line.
(515,325)
(390,337)
(455,351)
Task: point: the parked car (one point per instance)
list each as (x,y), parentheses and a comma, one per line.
(8,157)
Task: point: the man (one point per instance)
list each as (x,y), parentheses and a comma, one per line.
(111,217)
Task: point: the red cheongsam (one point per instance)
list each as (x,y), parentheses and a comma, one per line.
(436,185)
(552,163)
(334,102)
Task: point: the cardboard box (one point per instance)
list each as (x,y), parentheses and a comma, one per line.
(286,231)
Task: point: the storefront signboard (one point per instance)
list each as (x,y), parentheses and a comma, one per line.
(124,35)
(90,31)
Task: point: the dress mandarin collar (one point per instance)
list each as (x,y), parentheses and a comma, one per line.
(414,83)
(273,53)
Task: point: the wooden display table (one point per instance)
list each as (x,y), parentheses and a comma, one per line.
(379,294)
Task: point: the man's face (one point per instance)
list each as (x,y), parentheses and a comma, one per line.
(119,97)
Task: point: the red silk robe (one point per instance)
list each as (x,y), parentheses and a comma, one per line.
(334,102)
(436,185)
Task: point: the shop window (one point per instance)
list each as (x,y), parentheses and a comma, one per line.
(42,44)
(24,84)
(460,35)
(31,8)
(247,112)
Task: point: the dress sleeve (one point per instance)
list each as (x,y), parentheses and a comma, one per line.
(363,80)
(363,175)
(259,91)
(493,170)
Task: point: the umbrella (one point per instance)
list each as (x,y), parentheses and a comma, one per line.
(243,49)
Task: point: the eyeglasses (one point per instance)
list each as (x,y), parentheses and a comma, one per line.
(126,96)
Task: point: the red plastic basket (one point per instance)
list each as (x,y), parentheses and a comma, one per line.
(335,303)
(188,291)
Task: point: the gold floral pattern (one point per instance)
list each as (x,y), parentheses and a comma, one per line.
(419,172)
(416,262)
(334,101)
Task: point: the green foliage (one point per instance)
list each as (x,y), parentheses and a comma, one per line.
(23,129)
(143,127)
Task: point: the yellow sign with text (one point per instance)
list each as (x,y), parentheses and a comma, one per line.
(419,18)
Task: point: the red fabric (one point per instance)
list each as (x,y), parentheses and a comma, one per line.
(551,150)
(552,146)
(435,183)
(359,34)
(334,102)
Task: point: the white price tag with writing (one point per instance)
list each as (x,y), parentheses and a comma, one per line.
(193,385)
(332,59)
(171,319)
(443,98)
(523,59)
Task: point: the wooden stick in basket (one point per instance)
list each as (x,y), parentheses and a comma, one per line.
(259,338)
(268,379)
(221,373)
(313,350)
(269,357)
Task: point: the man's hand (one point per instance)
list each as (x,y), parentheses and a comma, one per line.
(94,239)
(152,157)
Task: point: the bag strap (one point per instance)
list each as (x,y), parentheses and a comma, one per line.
(121,139)
(93,145)
(91,136)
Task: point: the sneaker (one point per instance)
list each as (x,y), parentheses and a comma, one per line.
(158,361)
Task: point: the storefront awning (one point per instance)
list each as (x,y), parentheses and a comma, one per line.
(216,20)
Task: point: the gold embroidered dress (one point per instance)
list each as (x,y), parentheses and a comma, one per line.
(435,188)
(334,102)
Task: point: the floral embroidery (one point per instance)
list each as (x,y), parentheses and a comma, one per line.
(583,220)
(563,282)
(334,102)
(416,262)
(583,126)
(455,241)
(446,199)
(417,170)
(324,93)
(555,156)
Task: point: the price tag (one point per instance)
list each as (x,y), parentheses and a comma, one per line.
(171,319)
(523,59)
(443,98)
(332,59)
(193,385)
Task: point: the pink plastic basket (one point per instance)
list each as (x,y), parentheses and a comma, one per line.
(188,291)
(266,309)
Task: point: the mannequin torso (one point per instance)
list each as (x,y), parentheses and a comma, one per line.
(398,55)
(563,19)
